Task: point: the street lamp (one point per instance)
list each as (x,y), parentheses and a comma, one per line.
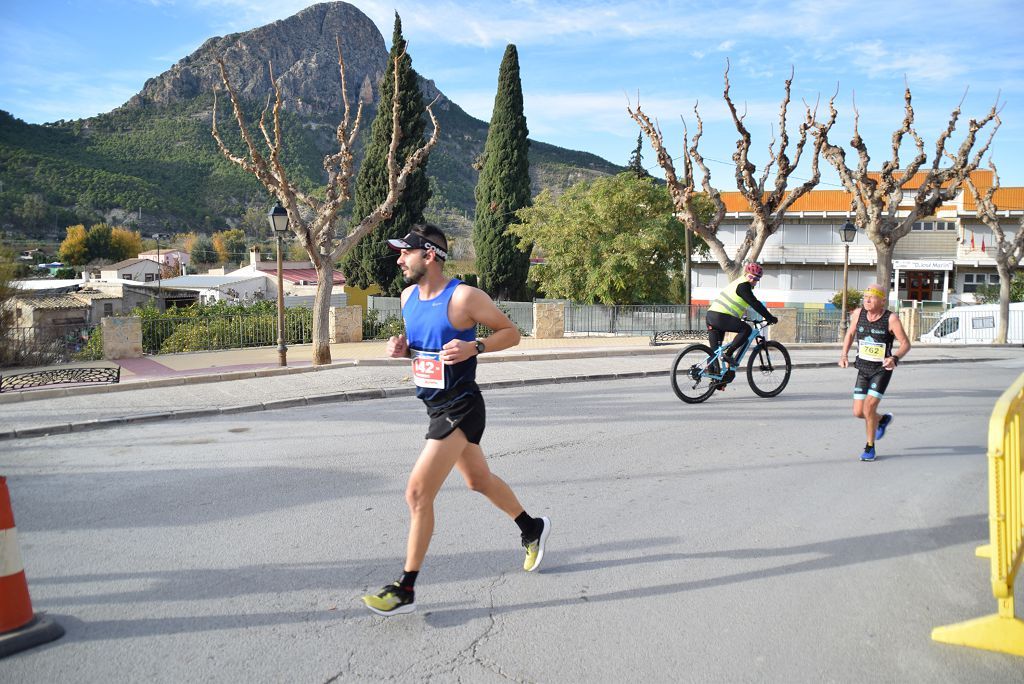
(847,233)
(279,224)
(160,270)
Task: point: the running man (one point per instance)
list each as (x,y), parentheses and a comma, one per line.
(725,312)
(441,315)
(875,328)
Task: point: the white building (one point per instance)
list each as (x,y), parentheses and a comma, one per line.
(140,270)
(942,260)
(233,288)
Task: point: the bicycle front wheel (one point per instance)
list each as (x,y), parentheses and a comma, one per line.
(768,369)
(689,379)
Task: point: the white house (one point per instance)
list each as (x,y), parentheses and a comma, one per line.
(169,257)
(141,270)
(234,288)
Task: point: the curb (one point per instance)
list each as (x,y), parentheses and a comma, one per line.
(365,395)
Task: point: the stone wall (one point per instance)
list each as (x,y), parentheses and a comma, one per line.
(346,324)
(122,337)
(785,330)
(911,320)
(548,321)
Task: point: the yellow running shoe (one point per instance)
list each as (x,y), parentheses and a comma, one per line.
(535,547)
(391,600)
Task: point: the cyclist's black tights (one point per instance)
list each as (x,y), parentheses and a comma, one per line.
(719,324)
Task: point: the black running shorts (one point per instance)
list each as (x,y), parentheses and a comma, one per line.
(871,383)
(466,413)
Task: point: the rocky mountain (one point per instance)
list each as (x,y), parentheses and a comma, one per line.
(153,158)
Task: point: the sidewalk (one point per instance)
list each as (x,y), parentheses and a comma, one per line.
(183,386)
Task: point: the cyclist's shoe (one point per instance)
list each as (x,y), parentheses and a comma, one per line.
(882,425)
(391,600)
(714,368)
(535,547)
(729,360)
(869,453)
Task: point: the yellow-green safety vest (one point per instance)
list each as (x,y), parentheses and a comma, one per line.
(729,302)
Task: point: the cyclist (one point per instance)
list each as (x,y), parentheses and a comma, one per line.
(875,328)
(725,312)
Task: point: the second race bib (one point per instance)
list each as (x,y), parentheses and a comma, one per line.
(871,351)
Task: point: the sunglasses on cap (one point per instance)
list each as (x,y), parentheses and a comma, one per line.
(416,241)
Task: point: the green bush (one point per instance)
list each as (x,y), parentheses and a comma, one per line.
(853,299)
(374,328)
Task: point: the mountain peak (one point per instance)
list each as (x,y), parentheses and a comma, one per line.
(304,56)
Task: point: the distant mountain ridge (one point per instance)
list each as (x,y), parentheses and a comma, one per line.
(154,157)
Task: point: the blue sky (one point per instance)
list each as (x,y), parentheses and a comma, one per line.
(581,60)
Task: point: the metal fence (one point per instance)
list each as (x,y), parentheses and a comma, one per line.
(49,345)
(384,317)
(584,320)
(818,325)
(186,334)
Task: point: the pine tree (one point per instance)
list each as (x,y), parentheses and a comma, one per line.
(371,262)
(503,187)
(636,159)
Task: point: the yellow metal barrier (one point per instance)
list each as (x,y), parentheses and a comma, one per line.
(1002,632)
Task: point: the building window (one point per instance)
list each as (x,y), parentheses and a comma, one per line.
(973,280)
(127,276)
(149,277)
(981,322)
(108,309)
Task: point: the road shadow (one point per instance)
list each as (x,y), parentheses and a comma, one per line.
(830,554)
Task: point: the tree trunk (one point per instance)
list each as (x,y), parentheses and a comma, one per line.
(1005,277)
(321,312)
(883,270)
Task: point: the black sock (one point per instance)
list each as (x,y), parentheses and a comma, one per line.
(408,580)
(530,527)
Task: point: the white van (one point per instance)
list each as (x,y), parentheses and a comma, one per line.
(976,325)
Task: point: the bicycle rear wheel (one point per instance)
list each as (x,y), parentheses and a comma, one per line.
(689,381)
(768,369)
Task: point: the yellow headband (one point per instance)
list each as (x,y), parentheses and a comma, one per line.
(874,292)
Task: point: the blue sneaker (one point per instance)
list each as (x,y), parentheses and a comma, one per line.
(869,453)
(882,425)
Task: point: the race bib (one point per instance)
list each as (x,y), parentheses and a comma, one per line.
(427,369)
(871,351)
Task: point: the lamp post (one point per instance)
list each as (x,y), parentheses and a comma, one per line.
(160,269)
(279,224)
(847,233)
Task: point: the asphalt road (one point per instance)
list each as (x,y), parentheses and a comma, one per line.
(737,540)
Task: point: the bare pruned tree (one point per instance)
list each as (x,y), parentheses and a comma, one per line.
(1007,252)
(690,208)
(312,220)
(877,197)
(769,207)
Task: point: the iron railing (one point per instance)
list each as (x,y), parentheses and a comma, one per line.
(584,320)
(818,325)
(201,333)
(49,345)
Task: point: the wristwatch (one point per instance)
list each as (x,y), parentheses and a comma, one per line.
(479,347)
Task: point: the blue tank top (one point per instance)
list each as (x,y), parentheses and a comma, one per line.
(428,329)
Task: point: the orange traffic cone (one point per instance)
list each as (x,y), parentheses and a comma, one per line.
(20,628)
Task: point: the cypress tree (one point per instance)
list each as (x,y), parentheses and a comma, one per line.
(636,159)
(371,262)
(503,187)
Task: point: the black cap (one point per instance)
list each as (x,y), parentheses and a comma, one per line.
(415,239)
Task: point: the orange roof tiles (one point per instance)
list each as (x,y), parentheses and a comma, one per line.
(1004,198)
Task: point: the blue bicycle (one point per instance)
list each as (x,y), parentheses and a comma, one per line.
(697,371)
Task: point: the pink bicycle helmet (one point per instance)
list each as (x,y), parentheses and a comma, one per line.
(754,269)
